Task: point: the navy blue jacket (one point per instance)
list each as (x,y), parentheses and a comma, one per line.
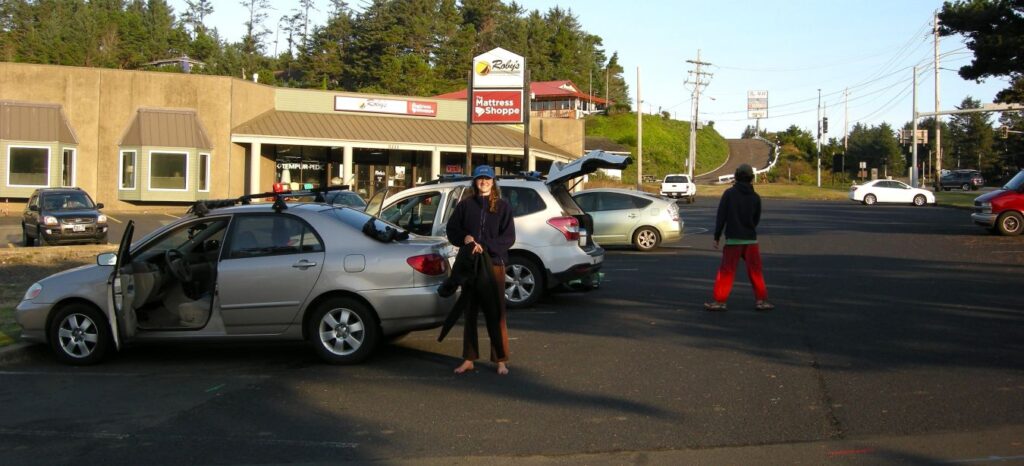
(739,212)
(496,231)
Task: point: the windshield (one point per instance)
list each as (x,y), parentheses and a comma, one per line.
(1016,183)
(67,201)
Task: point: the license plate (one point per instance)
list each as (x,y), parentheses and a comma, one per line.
(77,228)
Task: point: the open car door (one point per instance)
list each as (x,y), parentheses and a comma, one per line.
(121,291)
(586,165)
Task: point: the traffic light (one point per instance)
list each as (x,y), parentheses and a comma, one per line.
(1004,132)
(824,125)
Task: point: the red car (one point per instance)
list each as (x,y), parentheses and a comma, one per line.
(1003,210)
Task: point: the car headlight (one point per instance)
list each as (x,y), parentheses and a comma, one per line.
(986,207)
(33,291)
(50,220)
(101,219)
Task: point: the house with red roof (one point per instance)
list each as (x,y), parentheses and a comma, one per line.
(553,99)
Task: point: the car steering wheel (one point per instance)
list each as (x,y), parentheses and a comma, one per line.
(178,265)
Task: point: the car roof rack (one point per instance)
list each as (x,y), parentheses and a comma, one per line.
(523,175)
(203,207)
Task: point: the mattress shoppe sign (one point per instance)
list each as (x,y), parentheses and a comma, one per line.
(497,91)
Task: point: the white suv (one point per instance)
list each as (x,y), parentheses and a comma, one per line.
(553,244)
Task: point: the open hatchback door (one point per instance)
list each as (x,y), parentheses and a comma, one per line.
(586,165)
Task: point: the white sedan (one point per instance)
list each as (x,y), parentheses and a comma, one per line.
(890,191)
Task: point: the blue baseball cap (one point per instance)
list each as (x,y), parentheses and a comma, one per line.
(483,171)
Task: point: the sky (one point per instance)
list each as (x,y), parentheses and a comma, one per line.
(790,48)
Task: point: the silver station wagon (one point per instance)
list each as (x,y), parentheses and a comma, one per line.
(334,276)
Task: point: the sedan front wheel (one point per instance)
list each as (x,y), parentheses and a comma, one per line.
(919,200)
(343,331)
(79,335)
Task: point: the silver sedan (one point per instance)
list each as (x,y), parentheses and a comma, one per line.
(624,217)
(336,277)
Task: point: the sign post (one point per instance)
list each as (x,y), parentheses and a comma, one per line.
(757,108)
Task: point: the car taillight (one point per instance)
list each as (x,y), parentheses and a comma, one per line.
(428,264)
(673,211)
(569,226)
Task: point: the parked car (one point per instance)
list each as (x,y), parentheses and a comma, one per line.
(624,217)
(890,191)
(1002,211)
(679,187)
(334,276)
(346,199)
(62,215)
(552,241)
(966,180)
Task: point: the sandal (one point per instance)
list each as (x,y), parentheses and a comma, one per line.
(764,306)
(715,307)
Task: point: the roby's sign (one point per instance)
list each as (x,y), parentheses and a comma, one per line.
(498,68)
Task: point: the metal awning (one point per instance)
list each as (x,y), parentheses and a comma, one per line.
(34,121)
(390,130)
(158,127)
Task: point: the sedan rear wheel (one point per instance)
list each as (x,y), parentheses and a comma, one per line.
(870,199)
(1010,224)
(343,331)
(645,239)
(79,335)
(919,200)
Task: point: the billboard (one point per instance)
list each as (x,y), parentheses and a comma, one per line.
(498,68)
(391,106)
(757,104)
(502,106)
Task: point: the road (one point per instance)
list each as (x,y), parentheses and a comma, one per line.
(897,340)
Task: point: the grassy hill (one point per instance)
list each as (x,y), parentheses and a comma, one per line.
(666,143)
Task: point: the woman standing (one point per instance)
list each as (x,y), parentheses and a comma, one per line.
(484,222)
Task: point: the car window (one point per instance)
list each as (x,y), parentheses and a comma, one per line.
(640,202)
(204,235)
(415,213)
(524,201)
(676,179)
(345,198)
(587,202)
(271,235)
(614,201)
(34,201)
(67,201)
(454,196)
(898,184)
(565,200)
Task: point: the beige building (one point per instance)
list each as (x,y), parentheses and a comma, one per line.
(136,139)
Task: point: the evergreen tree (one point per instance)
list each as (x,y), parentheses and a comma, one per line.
(973,139)
(618,91)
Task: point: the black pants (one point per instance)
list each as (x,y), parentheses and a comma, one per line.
(470,344)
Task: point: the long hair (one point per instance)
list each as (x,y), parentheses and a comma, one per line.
(492,200)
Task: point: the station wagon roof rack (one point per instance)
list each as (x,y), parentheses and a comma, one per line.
(203,207)
(523,175)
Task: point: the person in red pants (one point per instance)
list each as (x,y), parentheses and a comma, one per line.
(739,212)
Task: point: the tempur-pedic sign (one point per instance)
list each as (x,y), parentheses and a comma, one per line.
(392,106)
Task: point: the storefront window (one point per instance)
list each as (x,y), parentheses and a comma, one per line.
(204,172)
(168,170)
(300,167)
(28,166)
(128,169)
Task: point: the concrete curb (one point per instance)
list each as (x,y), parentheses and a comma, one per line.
(14,353)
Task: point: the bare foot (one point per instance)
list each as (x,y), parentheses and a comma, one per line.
(466,366)
(502,369)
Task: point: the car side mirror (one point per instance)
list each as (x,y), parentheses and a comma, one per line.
(33,208)
(107,259)
(99,205)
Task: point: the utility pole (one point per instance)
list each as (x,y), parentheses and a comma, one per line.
(819,138)
(913,137)
(698,76)
(639,135)
(938,130)
(846,124)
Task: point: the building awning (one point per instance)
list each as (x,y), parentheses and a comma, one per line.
(158,127)
(36,122)
(392,130)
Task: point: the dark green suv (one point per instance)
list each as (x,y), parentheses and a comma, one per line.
(62,215)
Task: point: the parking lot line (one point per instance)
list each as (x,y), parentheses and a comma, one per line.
(114,219)
(172,216)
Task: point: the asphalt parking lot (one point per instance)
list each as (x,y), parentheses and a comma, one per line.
(145,222)
(897,340)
